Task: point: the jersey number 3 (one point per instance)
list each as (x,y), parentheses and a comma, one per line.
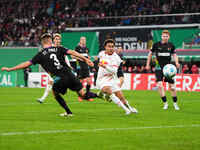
(56,61)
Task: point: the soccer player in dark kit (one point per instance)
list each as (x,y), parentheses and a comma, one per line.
(84,72)
(120,73)
(163,51)
(52,59)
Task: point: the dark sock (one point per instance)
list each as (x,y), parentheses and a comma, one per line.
(61,101)
(89,95)
(87,88)
(164,99)
(92,95)
(175,99)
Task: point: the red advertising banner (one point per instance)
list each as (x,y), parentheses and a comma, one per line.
(183,82)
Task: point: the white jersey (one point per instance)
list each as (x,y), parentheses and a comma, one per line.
(108,77)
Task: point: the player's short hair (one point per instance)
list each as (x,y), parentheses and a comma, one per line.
(45,38)
(82,37)
(166,32)
(45,35)
(56,35)
(108,41)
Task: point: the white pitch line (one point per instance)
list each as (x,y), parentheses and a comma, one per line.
(94,130)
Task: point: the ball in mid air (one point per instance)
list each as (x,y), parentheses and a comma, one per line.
(169,70)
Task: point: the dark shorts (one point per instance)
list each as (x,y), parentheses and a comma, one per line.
(120,72)
(84,73)
(65,81)
(160,77)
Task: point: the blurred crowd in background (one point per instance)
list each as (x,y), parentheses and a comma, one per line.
(23,21)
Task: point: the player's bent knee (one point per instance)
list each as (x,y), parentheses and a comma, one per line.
(107,90)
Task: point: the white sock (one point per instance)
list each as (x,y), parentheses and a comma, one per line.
(132,109)
(117,101)
(129,106)
(46,92)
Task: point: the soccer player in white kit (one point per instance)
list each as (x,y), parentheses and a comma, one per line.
(57,42)
(107,79)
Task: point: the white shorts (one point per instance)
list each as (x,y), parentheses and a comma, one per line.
(114,83)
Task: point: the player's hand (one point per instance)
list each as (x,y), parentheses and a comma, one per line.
(147,67)
(90,63)
(102,65)
(5,69)
(177,65)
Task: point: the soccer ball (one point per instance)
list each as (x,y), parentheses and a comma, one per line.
(169,71)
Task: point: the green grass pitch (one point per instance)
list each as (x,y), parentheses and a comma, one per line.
(98,125)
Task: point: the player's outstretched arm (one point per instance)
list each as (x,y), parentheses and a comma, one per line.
(20,66)
(76,54)
(77,58)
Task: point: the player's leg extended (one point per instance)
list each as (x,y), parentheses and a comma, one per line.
(86,95)
(174,96)
(120,95)
(60,86)
(62,102)
(46,92)
(115,99)
(76,85)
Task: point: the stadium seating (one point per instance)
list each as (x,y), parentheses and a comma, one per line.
(22,22)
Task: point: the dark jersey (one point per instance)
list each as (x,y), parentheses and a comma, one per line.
(120,72)
(120,55)
(83,51)
(52,59)
(163,53)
